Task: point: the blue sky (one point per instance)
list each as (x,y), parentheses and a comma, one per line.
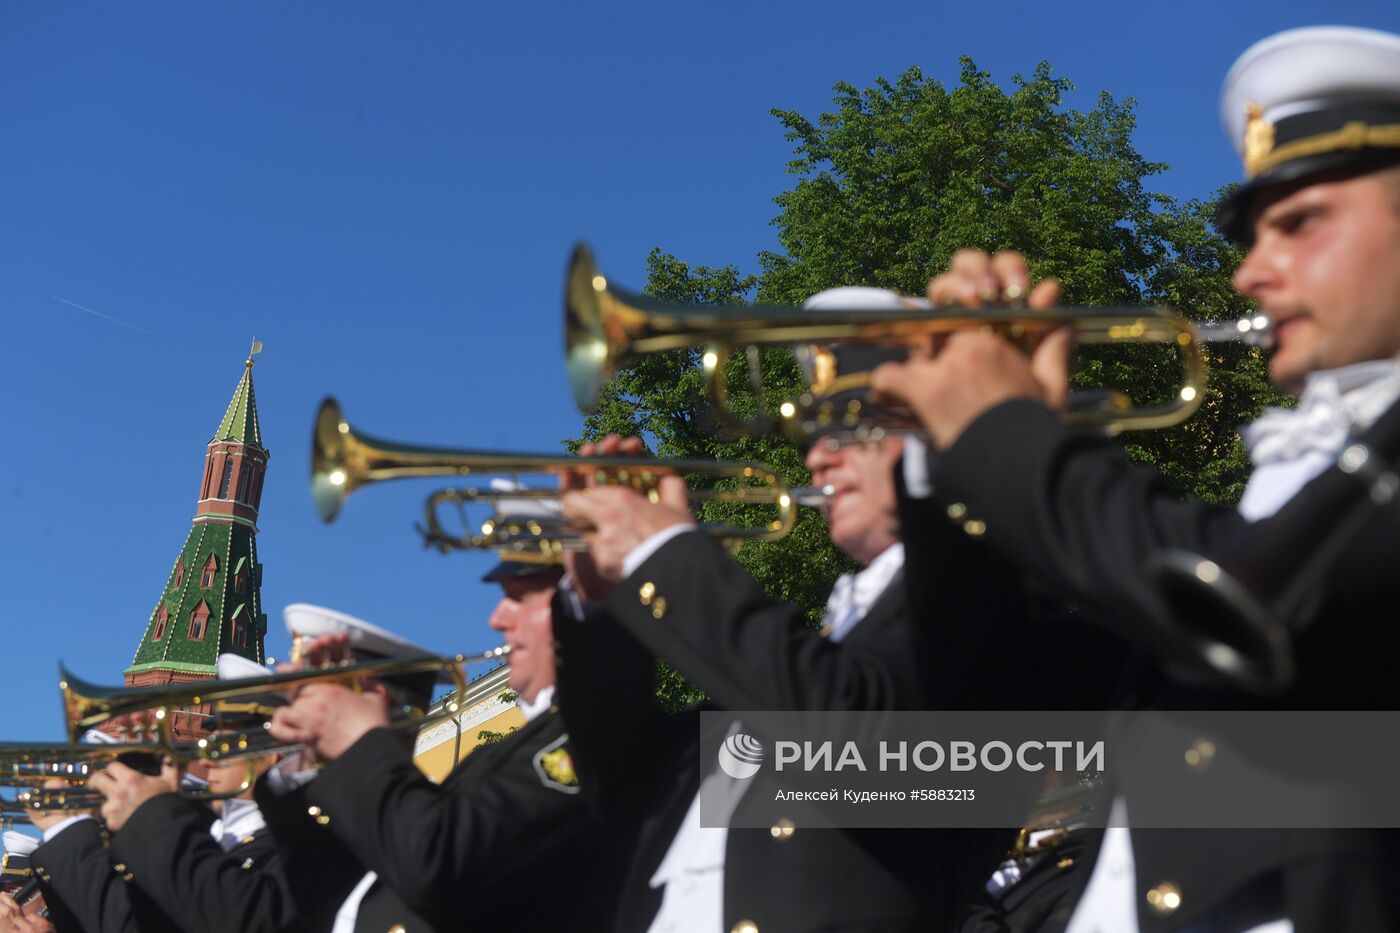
(385,194)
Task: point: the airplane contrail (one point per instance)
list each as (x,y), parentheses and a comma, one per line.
(108,317)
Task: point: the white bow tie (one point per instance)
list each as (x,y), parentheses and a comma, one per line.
(1333,404)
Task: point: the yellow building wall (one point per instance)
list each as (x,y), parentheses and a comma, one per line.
(489,706)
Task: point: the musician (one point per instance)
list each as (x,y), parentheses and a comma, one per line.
(505,841)
(653,585)
(22,908)
(1315,114)
(161,861)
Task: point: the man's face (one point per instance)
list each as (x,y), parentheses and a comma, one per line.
(1325,266)
(861,514)
(225,776)
(524,620)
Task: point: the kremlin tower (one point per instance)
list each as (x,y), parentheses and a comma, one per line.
(210,603)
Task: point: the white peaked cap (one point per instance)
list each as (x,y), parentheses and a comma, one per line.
(857,298)
(236,667)
(17,843)
(308,621)
(1309,69)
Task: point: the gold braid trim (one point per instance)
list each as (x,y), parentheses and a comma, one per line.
(1352,136)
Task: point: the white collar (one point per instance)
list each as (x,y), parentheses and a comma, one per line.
(854,594)
(541,703)
(239,820)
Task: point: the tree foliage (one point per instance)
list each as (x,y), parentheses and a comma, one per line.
(890,182)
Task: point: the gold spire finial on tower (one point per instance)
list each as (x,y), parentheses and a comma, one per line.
(254,351)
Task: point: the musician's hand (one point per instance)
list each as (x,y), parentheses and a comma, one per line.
(621,519)
(30,923)
(951,384)
(43,820)
(329,718)
(23,919)
(322,651)
(126,789)
(974,372)
(588,581)
(974,278)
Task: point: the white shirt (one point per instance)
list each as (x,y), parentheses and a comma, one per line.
(691,874)
(238,820)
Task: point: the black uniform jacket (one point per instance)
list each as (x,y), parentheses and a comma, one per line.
(162,872)
(504,843)
(693,605)
(321,870)
(167,849)
(1070,511)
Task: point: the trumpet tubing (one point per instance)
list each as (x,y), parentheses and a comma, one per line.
(606,328)
(37,768)
(344,460)
(89,705)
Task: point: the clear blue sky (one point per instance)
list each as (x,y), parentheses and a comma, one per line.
(386,194)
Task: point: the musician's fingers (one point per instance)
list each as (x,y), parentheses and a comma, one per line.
(954,290)
(1050,366)
(979,276)
(1012,275)
(888,379)
(286,726)
(970,263)
(631,447)
(608,446)
(580,508)
(672,491)
(1046,294)
(575,478)
(327,649)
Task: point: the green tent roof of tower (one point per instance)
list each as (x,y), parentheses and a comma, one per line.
(241,420)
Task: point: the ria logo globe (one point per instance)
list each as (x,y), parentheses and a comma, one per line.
(741,756)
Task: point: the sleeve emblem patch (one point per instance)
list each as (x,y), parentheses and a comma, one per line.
(555,768)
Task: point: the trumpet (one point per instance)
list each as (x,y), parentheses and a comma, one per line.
(36,766)
(606,328)
(343,460)
(87,705)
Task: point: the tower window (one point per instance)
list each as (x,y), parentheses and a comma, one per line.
(228,478)
(180,571)
(162,617)
(199,621)
(211,566)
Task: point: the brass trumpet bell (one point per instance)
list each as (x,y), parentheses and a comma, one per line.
(605,328)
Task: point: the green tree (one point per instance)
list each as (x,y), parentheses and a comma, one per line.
(893,180)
